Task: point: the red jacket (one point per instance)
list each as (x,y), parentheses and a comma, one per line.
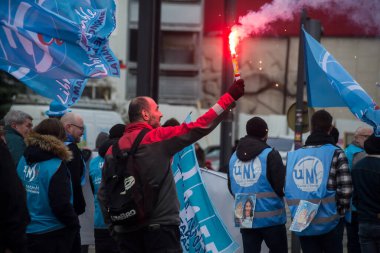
(159,145)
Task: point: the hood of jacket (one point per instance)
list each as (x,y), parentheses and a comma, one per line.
(318,138)
(105,146)
(45,147)
(250,147)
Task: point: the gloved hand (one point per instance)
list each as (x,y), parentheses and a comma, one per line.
(236,90)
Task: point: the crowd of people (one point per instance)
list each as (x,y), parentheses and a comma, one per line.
(325,187)
(43,172)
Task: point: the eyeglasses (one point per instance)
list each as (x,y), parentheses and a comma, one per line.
(79,127)
(363,135)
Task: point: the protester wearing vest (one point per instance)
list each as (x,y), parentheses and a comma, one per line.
(355,152)
(256,176)
(366,178)
(318,173)
(104,243)
(46,179)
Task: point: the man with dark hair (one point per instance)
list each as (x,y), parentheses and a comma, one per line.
(135,108)
(321,122)
(318,173)
(160,233)
(256,171)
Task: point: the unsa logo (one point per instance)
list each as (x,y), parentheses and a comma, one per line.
(30,172)
(247,173)
(308,173)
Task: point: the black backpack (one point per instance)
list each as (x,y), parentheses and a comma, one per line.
(130,199)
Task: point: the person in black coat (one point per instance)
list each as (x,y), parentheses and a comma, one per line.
(366,195)
(14,215)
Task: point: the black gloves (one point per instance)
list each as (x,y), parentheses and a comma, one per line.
(236,90)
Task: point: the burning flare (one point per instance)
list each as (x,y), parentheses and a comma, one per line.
(233,41)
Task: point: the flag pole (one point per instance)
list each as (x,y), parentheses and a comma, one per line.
(300,87)
(226,126)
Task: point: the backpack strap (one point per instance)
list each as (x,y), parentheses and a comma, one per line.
(116,148)
(137,141)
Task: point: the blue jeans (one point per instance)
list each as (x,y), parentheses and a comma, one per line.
(330,242)
(369,237)
(274,237)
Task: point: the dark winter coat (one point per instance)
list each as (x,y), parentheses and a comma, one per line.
(76,167)
(366,196)
(15,143)
(14,215)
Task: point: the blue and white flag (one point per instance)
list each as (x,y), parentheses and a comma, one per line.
(330,85)
(201,227)
(55,46)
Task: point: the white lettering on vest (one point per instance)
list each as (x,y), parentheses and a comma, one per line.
(247,173)
(308,174)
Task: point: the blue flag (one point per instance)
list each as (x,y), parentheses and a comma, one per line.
(55,46)
(201,227)
(330,85)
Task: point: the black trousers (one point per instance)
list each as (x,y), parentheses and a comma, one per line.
(330,242)
(58,241)
(77,247)
(153,239)
(104,243)
(274,237)
(353,245)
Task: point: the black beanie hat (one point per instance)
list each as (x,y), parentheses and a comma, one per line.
(372,145)
(257,127)
(101,139)
(117,131)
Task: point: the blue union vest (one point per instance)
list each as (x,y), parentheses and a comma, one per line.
(250,177)
(36,180)
(307,173)
(95,172)
(350,152)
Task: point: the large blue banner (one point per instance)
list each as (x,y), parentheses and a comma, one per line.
(201,227)
(54,46)
(330,85)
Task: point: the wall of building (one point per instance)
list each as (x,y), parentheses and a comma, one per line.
(263,64)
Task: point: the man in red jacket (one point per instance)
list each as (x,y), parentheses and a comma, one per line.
(153,157)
